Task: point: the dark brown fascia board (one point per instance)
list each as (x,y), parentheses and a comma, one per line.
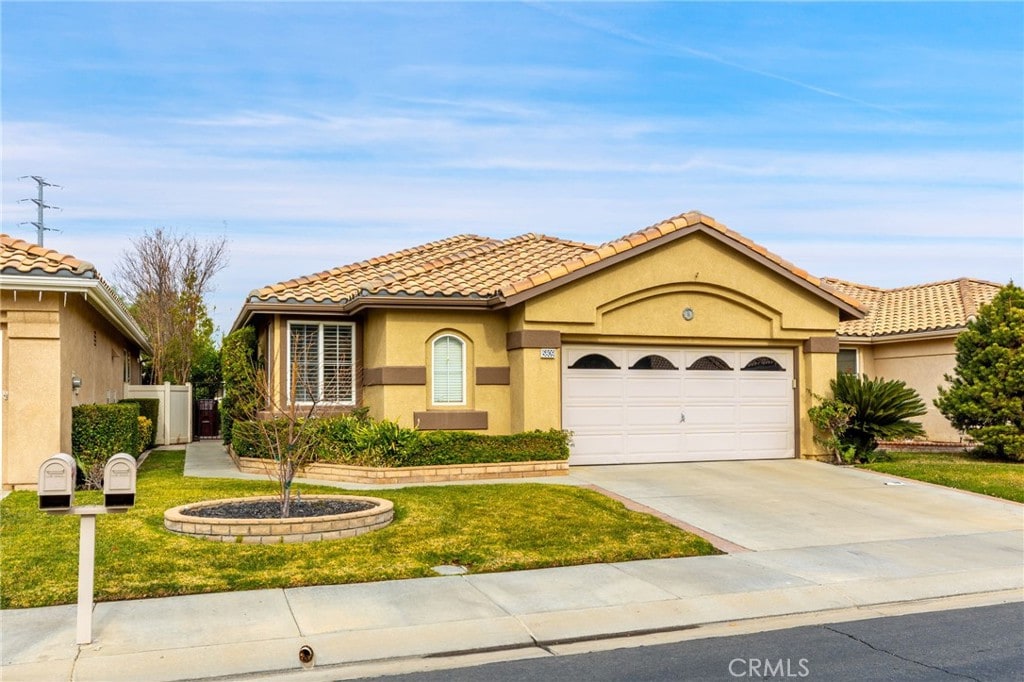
(435,302)
(267,308)
(846,311)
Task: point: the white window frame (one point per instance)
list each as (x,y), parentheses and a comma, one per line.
(320,324)
(434,368)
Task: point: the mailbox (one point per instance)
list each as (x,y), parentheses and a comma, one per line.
(57,483)
(119,482)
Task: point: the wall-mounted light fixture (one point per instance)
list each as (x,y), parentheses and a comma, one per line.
(76,383)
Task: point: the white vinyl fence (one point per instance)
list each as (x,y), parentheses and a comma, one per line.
(175,418)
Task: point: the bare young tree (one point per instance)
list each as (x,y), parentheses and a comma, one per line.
(166,277)
(287,431)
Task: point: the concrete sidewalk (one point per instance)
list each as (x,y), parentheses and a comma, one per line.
(240,633)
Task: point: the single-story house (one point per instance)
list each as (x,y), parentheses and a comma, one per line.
(66,339)
(908,334)
(682,341)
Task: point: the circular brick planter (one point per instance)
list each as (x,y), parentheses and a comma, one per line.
(273,531)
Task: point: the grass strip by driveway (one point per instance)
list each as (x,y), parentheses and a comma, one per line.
(997,478)
(482,527)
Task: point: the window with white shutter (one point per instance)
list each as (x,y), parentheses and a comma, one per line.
(449,370)
(321,360)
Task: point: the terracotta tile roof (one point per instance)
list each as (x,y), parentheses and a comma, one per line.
(465,265)
(20,257)
(919,308)
(469,266)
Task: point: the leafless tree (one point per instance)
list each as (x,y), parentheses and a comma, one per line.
(166,277)
(287,431)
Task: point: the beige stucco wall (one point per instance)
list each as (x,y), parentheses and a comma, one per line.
(921,364)
(402,338)
(46,339)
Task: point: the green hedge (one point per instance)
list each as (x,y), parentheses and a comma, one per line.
(150,409)
(100,431)
(364,442)
(105,429)
(462,447)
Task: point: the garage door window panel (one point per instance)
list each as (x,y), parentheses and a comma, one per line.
(594,361)
(710,363)
(653,362)
(763,364)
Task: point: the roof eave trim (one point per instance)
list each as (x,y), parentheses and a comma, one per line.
(102,299)
(359,303)
(876,339)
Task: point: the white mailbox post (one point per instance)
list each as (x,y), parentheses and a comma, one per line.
(56,496)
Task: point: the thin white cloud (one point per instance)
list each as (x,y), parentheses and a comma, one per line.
(683,50)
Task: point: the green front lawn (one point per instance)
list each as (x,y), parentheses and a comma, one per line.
(482,527)
(988,477)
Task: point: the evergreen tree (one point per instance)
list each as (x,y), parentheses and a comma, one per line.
(985,398)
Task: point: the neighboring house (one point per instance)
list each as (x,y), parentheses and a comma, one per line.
(66,339)
(908,335)
(682,341)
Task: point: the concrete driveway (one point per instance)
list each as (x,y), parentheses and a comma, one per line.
(787,504)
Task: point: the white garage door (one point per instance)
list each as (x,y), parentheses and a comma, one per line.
(627,405)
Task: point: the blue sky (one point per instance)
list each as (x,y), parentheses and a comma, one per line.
(882,143)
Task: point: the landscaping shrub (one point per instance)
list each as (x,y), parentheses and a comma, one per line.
(150,409)
(145,433)
(383,443)
(354,439)
(241,396)
(99,431)
(881,411)
(831,418)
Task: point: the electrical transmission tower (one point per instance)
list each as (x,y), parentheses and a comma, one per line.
(40,206)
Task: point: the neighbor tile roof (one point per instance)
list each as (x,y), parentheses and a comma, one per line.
(20,257)
(923,307)
(470,266)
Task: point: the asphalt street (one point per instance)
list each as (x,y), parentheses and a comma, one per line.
(985,643)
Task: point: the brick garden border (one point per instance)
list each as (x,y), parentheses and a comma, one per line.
(273,531)
(439,473)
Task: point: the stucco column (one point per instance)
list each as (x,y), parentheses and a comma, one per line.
(534,358)
(818,370)
(33,420)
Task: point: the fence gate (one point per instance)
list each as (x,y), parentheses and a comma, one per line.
(206,419)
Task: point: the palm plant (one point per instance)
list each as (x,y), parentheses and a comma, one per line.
(882,411)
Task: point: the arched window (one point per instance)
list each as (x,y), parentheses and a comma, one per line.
(653,362)
(448,366)
(763,364)
(710,363)
(593,361)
